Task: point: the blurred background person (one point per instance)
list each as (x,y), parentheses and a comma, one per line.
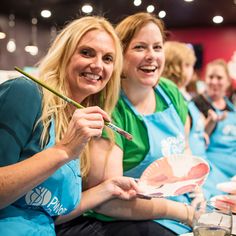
(220,124)
(179,67)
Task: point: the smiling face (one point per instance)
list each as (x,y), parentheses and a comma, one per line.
(91,65)
(144,57)
(217,81)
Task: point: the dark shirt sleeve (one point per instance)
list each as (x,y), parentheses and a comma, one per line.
(202,104)
(20,108)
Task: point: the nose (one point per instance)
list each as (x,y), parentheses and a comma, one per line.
(97,64)
(150,54)
(214,79)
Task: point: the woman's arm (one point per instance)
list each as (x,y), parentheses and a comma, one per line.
(187,131)
(137,209)
(17,179)
(120,187)
(106,162)
(141,209)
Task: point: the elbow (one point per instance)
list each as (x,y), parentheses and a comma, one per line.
(5,200)
(3,203)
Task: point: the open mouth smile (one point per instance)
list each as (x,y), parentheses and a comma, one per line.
(90,76)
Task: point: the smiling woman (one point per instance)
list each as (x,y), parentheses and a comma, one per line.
(43,136)
(91,65)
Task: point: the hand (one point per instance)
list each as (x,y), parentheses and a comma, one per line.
(206,138)
(212,120)
(85,124)
(211,114)
(198,196)
(214,117)
(122,187)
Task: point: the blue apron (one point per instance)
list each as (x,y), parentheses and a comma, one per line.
(166,136)
(221,152)
(196,136)
(32,214)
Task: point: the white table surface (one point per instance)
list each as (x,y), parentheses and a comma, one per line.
(233,230)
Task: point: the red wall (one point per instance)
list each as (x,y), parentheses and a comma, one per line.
(216,42)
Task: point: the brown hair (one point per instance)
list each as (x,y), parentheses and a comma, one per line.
(128,27)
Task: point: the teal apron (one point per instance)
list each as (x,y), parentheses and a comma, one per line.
(166,136)
(196,136)
(221,152)
(32,214)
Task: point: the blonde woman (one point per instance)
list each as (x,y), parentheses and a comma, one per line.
(42,136)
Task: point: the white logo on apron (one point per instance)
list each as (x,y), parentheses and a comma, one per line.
(42,197)
(173,145)
(38,197)
(229,130)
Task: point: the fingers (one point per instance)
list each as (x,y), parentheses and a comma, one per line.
(126,183)
(215,117)
(84,124)
(212,114)
(223,116)
(92,120)
(124,187)
(97,110)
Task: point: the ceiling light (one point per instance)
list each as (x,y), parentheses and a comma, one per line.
(150,8)
(31,49)
(2,34)
(11,45)
(87,8)
(217,19)
(46,13)
(162,14)
(188,0)
(137,3)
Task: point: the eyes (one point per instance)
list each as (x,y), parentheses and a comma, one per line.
(215,76)
(142,47)
(90,53)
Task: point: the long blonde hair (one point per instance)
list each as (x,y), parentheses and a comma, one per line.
(176,53)
(53,71)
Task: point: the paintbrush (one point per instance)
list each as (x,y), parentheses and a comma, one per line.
(74,103)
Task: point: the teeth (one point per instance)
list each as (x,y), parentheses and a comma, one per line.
(148,67)
(91,76)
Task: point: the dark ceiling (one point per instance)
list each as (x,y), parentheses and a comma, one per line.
(180,14)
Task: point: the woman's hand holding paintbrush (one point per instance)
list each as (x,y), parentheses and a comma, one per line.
(104,116)
(84,124)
